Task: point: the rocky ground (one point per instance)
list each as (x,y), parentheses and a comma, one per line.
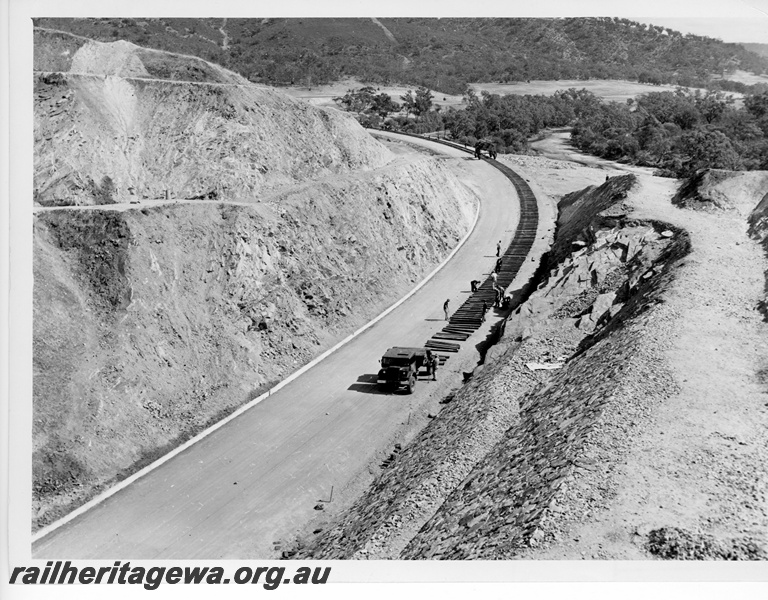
(646,438)
(695,465)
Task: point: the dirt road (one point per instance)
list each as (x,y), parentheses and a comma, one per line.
(557,146)
(257,479)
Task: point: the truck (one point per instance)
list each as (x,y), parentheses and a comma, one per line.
(400,367)
(486,145)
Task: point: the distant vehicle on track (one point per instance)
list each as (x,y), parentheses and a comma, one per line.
(400,367)
(485,145)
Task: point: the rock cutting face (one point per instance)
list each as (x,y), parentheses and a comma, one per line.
(154,320)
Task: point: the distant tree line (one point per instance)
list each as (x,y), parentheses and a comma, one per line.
(509,121)
(676,132)
(679,132)
(365,101)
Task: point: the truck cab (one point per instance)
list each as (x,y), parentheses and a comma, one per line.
(400,367)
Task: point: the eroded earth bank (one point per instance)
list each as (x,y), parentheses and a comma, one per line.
(195,241)
(624,412)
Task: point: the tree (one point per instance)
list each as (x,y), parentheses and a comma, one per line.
(409,102)
(423,101)
(383,105)
(460,123)
(357,100)
(757,106)
(469,97)
(712,105)
(706,149)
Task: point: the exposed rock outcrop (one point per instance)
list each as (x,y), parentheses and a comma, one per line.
(505,504)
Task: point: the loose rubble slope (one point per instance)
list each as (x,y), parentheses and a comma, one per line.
(651,440)
(155,319)
(622,414)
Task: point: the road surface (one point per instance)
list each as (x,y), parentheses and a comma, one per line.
(257,479)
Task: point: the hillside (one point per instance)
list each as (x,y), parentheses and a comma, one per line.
(761,49)
(442,54)
(197,239)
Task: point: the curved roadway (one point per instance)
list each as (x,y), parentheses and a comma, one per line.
(257,479)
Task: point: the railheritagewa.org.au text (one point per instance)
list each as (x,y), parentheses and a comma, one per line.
(65,573)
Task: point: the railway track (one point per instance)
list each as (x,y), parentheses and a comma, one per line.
(312,433)
(470,315)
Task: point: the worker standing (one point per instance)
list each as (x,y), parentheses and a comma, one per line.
(445,309)
(498,249)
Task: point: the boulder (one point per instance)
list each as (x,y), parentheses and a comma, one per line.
(602,305)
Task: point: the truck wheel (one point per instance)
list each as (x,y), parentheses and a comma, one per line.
(411,384)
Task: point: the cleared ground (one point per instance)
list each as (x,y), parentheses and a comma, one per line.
(323,95)
(746,77)
(556,145)
(610,90)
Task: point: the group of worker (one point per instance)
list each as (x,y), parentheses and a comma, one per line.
(498,291)
(500,300)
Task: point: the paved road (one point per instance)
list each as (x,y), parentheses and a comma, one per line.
(258,478)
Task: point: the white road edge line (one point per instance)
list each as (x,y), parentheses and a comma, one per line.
(152,466)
